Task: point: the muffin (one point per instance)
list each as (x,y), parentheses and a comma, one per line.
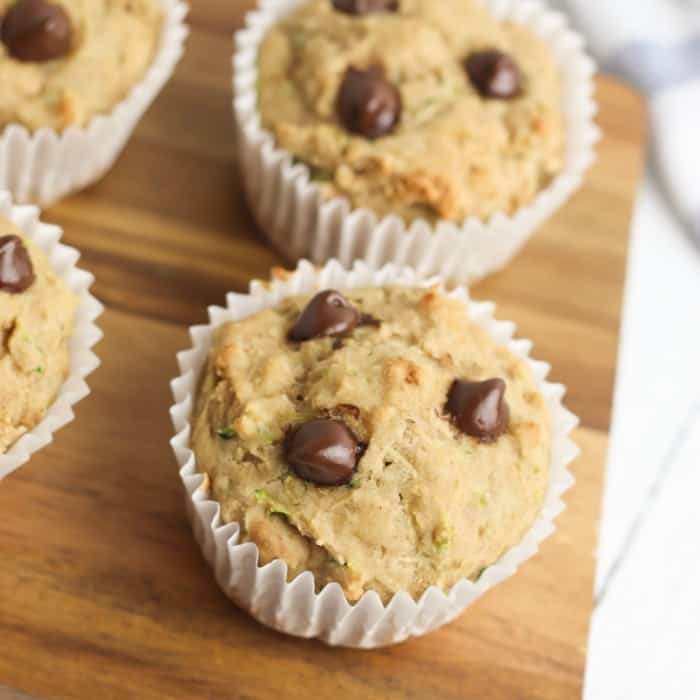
(432,135)
(37,320)
(63,62)
(377,438)
(317,446)
(430,110)
(77,75)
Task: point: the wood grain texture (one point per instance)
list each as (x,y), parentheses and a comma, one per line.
(104,589)
(103,592)
(10,694)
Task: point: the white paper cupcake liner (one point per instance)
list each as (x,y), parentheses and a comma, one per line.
(291,213)
(294,607)
(83,361)
(45,165)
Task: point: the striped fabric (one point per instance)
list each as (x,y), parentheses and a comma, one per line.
(655,45)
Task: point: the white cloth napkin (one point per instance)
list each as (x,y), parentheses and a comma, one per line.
(644,642)
(655,45)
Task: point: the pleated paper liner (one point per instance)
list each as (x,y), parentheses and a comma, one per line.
(63,259)
(45,165)
(291,213)
(294,607)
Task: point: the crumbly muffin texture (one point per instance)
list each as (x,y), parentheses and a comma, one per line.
(454,154)
(427,504)
(114,42)
(35,330)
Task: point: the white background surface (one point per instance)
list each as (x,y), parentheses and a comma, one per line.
(645,637)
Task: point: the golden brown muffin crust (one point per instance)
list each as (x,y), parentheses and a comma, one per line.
(454,153)
(427,504)
(35,330)
(114,42)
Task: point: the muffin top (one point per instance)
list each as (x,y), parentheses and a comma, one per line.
(378,438)
(62,62)
(424,109)
(37,318)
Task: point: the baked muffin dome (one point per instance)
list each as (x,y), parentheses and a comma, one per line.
(86,60)
(37,319)
(367,437)
(424,109)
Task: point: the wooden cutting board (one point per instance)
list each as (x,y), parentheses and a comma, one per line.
(103,592)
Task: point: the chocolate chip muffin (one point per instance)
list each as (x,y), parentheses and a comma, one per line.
(424,109)
(62,62)
(37,318)
(377,438)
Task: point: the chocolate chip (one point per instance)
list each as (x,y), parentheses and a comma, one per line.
(479,408)
(36,30)
(365,7)
(495,74)
(323,451)
(368,104)
(328,313)
(16,269)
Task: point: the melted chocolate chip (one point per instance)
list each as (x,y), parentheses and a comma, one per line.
(16,269)
(323,451)
(365,7)
(479,408)
(368,104)
(494,74)
(328,313)
(36,30)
